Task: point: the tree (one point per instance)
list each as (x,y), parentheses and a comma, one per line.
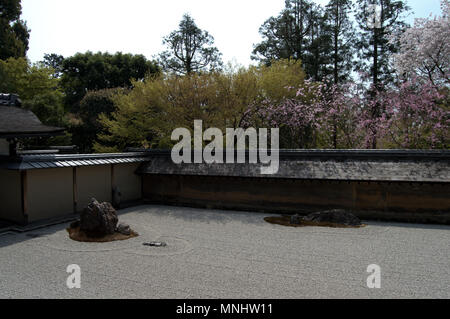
(425,49)
(317,115)
(415,116)
(85,72)
(14,34)
(89,71)
(146,115)
(317,57)
(190,50)
(296,116)
(285,36)
(341,35)
(339,123)
(34,84)
(37,89)
(54,61)
(92,105)
(299,32)
(378,21)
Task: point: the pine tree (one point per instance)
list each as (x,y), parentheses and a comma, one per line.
(318,56)
(378,21)
(285,36)
(14,34)
(341,32)
(190,49)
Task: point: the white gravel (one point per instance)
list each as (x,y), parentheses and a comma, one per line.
(226,254)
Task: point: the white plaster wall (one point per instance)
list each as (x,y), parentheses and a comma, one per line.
(49,193)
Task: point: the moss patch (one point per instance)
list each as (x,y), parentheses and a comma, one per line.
(75,233)
(286,221)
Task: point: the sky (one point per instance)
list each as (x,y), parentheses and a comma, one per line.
(137,26)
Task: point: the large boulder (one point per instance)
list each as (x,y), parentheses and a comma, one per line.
(99,219)
(336,216)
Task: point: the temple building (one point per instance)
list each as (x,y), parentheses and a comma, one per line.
(38,185)
(16,123)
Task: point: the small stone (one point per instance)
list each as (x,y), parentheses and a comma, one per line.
(296,219)
(124,229)
(155,244)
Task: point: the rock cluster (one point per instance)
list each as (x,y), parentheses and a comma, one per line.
(100,219)
(336,216)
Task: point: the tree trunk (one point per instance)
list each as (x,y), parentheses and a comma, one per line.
(336,48)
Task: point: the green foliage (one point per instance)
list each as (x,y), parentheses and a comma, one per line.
(54,61)
(189,50)
(274,80)
(14,34)
(285,36)
(89,71)
(147,115)
(133,122)
(37,89)
(300,32)
(92,105)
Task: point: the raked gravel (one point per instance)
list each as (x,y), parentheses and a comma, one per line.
(228,254)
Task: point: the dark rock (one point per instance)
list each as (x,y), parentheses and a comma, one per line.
(296,219)
(336,216)
(75,224)
(124,229)
(155,244)
(99,219)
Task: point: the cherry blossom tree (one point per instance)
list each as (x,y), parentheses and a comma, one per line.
(425,48)
(341,116)
(296,117)
(415,116)
(319,116)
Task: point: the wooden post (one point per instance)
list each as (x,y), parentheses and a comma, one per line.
(142,186)
(24,190)
(75,190)
(113,182)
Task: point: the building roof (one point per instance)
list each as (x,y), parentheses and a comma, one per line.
(42,161)
(18,122)
(10,100)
